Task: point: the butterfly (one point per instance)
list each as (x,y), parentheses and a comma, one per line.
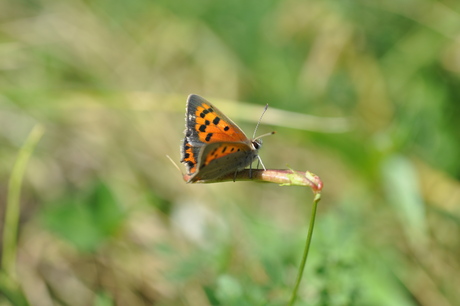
(214,145)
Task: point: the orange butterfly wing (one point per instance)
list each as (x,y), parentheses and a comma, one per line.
(206,124)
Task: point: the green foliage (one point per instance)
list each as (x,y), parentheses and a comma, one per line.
(85,220)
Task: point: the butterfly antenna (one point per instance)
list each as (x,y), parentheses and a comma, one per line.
(263,135)
(260,119)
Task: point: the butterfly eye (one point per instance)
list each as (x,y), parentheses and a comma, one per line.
(257,144)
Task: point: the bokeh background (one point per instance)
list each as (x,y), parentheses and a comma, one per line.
(363,93)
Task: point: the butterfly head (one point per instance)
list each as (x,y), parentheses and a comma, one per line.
(257,143)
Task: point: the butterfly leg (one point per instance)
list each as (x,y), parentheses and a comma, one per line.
(234,176)
(260,160)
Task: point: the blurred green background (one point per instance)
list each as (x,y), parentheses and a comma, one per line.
(363,93)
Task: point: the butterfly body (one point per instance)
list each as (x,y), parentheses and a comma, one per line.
(214,145)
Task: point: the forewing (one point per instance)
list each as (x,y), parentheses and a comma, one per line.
(207,124)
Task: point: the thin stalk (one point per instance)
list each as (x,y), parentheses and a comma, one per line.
(9,286)
(12,212)
(306,249)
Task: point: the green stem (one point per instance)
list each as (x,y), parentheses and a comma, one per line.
(12,291)
(306,249)
(10,229)
(8,284)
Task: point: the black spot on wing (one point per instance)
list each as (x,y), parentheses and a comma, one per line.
(216,120)
(203,113)
(208,137)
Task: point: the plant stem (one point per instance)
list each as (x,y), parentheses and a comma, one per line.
(284,177)
(306,249)
(12,212)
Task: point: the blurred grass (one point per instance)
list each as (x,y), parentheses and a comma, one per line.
(107,220)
